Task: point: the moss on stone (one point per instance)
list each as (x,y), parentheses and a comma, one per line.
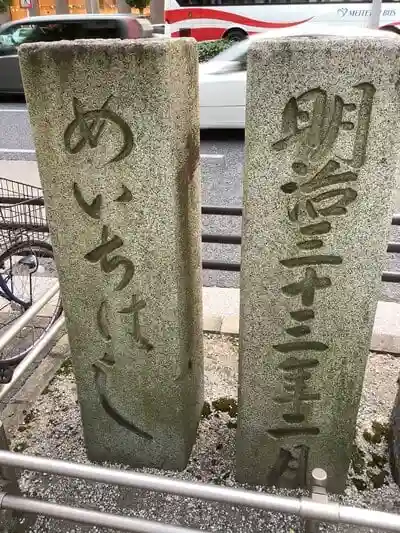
(226,405)
(359,484)
(206,411)
(66,368)
(28,416)
(378,480)
(379,432)
(358,460)
(377,460)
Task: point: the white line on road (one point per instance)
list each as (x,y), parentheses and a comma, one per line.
(8,110)
(16,151)
(212,156)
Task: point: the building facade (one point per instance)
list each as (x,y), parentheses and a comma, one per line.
(24,8)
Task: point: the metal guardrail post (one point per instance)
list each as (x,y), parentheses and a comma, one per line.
(318,494)
(24,319)
(32,356)
(310,509)
(91,517)
(9,520)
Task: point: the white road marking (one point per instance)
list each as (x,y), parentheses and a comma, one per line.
(16,151)
(8,110)
(212,156)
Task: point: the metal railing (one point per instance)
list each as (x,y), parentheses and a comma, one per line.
(236,239)
(23,367)
(312,510)
(18,372)
(231,266)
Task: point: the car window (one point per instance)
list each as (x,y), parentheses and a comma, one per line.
(14,36)
(100,29)
(18,34)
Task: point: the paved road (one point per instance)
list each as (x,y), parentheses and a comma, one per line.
(221,185)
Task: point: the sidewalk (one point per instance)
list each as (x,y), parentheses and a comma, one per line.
(23,171)
(221,315)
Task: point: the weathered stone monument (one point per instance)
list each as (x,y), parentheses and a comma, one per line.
(322,148)
(116,130)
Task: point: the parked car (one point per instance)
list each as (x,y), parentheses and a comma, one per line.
(223,79)
(55,28)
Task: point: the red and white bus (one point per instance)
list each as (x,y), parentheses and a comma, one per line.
(236,19)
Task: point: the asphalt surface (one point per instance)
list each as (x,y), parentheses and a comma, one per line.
(221,185)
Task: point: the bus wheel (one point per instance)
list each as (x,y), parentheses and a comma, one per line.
(235,34)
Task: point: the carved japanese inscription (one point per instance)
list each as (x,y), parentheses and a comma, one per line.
(88,127)
(324,185)
(107,252)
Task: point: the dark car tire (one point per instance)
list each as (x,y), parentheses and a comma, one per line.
(235,34)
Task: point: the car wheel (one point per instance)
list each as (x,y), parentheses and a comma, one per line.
(235,34)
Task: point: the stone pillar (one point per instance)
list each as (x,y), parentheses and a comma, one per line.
(322,151)
(117,141)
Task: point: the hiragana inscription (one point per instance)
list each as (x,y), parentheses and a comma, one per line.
(90,126)
(102,321)
(323,187)
(102,254)
(134,308)
(101,369)
(93,209)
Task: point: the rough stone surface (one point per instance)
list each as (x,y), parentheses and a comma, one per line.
(116,129)
(300,375)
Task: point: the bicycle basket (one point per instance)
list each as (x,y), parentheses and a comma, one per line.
(22,213)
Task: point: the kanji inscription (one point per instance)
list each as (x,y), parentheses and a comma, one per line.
(323,187)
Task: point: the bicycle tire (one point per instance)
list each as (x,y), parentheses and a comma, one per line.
(46,251)
(10,251)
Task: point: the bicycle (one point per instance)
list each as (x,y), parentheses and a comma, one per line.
(26,266)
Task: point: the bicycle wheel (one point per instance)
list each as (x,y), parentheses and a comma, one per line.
(27,271)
